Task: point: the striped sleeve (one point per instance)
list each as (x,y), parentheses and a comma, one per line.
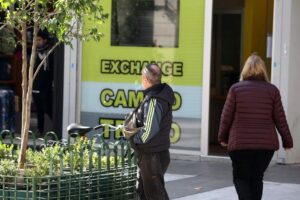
(152,119)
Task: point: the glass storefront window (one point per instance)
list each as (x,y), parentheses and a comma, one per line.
(166,32)
(147,23)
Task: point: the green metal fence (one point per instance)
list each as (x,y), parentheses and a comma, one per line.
(86,169)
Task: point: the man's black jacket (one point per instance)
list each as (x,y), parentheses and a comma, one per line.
(155,118)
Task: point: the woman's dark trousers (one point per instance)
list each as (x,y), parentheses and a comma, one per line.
(248,172)
(151,184)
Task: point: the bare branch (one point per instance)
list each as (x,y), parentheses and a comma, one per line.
(44,60)
(70,31)
(52,14)
(3,26)
(29,4)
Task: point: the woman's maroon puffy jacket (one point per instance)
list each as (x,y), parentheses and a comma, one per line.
(252,112)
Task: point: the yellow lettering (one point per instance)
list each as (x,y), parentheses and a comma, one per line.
(177,69)
(134,98)
(166,69)
(178,101)
(106,97)
(106,131)
(109,99)
(175,133)
(115,64)
(158,64)
(145,63)
(105,66)
(120,99)
(135,67)
(124,67)
(118,133)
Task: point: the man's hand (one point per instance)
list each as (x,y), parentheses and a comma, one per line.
(129,132)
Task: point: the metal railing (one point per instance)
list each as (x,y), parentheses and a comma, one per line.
(88,168)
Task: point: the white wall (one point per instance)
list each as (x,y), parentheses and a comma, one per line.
(71,86)
(206,78)
(286,69)
(293,110)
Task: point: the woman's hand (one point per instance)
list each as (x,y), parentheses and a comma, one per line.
(223,144)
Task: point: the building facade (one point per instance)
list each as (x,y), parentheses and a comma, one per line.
(200,46)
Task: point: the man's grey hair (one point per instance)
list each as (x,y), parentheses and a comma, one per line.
(153,73)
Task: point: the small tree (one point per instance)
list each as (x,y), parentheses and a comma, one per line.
(62,18)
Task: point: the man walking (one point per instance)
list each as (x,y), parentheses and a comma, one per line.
(152,141)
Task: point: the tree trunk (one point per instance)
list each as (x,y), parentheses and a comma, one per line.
(24,72)
(27,101)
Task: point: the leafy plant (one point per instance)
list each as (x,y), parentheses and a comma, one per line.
(62,18)
(5,150)
(40,162)
(8,167)
(48,160)
(7,41)
(77,155)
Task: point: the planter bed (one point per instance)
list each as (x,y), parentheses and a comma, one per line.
(115,180)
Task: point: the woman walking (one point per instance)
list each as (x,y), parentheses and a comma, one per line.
(252,112)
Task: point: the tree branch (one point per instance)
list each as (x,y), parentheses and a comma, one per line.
(44,59)
(52,14)
(29,4)
(3,26)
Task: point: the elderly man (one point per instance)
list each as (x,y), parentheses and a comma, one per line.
(152,141)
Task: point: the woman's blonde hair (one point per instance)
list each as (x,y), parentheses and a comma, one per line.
(254,68)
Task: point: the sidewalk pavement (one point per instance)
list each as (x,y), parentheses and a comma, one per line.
(211,179)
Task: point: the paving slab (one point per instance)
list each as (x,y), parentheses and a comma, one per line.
(272,190)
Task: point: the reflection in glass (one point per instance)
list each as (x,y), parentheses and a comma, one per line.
(147,23)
